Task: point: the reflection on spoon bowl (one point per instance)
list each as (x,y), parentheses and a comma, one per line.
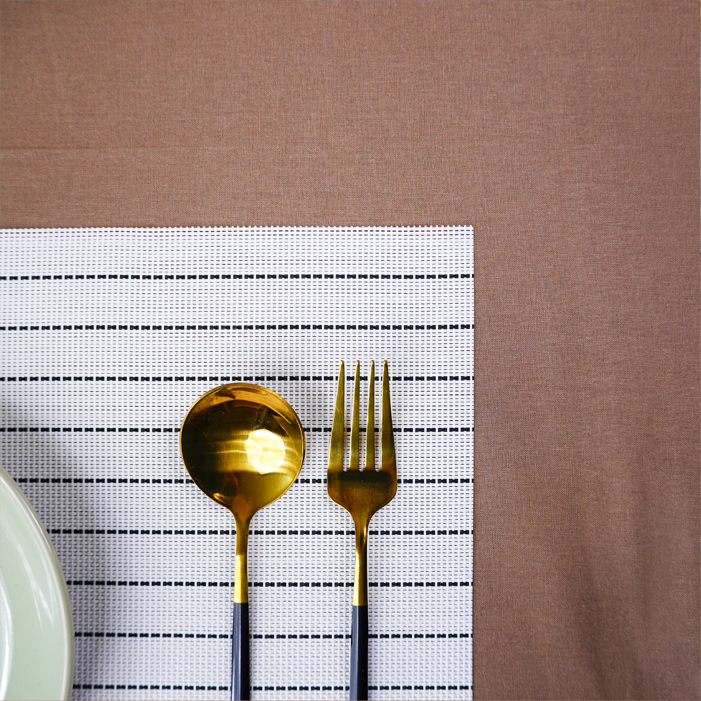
(243,446)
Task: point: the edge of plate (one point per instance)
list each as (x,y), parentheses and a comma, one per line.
(52,557)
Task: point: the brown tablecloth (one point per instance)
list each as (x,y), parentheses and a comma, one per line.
(567,133)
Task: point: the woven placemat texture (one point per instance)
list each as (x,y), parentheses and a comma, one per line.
(109,335)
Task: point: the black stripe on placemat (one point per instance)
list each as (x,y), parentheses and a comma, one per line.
(237,327)
(133,429)
(229,532)
(158,480)
(145,583)
(273,636)
(225,378)
(192,687)
(243,276)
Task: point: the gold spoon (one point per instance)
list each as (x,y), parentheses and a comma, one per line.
(243,446)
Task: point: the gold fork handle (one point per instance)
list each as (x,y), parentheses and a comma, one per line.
(359,632)
(360,586)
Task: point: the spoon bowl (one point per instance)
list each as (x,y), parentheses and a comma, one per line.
(243,446)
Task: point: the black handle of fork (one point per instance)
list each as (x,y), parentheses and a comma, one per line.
(240,667)
(359,655)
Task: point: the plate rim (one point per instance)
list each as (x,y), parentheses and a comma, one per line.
(46,546)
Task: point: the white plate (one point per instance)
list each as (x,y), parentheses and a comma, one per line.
(36,628)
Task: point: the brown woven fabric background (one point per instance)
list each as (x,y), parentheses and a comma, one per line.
(567,133)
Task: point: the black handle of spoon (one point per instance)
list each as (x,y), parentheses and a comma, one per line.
(359,655)
(240,667)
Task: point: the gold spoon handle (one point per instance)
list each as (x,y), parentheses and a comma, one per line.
(241,567)
(240,663)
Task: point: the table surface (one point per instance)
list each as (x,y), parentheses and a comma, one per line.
(567,133)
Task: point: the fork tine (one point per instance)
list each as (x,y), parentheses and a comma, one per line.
(336,447)
(370,434)
(388,456)
(354,463)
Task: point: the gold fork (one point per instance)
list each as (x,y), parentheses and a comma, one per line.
(361,493)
